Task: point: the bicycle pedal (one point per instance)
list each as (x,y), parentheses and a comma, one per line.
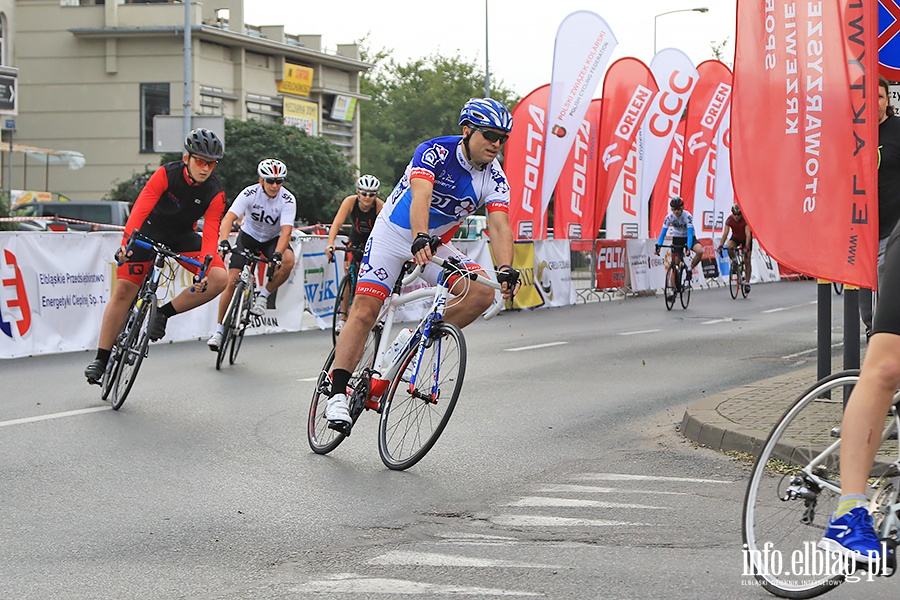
(341,427)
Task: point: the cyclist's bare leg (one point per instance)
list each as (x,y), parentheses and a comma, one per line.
(869,402)
(748,270)
(351,342)
(225,297)
(698,254)
(478,299)
(283,272)
(116,312)
(217,280)
(345,300)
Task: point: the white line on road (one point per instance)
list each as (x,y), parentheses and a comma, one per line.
(350,583)
(432,559)
(544,521)
(316,378)
(810,351)
(714,321)
(535,347)
(774,310)
(593,489)
(640,332)
(624,477)
(69,413)
(578,503)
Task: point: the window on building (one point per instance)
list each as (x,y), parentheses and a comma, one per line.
(154,101)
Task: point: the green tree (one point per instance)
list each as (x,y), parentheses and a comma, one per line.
(414,102)
(317,172)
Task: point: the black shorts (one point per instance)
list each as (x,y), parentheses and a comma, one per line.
(248,242)
(887,312)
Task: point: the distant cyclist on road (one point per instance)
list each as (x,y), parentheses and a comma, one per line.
(740,236)
(448,179)
(362,208)
(167,210)
(682,224)
(267,211)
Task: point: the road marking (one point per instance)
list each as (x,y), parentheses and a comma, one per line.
(624,477)
(578,503)
(430,559)
(544,521)
(535,347)
(593,489)
(68,413)
(350,583)
(810,351)
(775,310)
(714,321)
(316,378)
(640,332)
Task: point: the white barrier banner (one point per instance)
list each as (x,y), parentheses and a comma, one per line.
(553,272)
(646,270)
(320,280)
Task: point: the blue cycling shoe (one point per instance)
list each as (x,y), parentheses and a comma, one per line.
(852,535)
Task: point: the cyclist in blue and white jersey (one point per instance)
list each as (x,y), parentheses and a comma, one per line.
(267,210)
(682,224)
(448,179)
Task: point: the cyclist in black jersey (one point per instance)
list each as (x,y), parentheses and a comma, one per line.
(362,208)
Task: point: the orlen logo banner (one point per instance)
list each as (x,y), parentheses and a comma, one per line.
(805,175)
(705,111)
(676,77)
(628,91)
(573,206)
(15,311)
(610,264)
(523,162)
(584,44)
(668,184)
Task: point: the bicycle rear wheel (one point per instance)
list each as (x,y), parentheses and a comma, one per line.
(671,286)
(413,419)
(794,488)
(339,313)
(134,348)
(734,280)
(242,320)
(112,370)
(322,439)
(230,324)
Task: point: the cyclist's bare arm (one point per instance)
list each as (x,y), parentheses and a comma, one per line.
(418,214)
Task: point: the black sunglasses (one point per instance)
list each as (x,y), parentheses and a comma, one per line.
(492,136)
(368,194)
(279,181)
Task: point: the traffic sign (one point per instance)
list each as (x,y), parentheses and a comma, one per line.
(9,124)
(7,93)
(888,40)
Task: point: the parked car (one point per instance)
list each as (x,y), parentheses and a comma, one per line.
(100,212)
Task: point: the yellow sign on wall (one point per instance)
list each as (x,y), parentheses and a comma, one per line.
(297,80)
(301,114)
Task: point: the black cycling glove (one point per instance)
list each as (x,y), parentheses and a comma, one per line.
(422,240)
(224,247)
(506,274)
(276,258)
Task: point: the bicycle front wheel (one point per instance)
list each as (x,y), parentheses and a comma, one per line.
(242,320)
(734,280)
(685,293)
(134,348)
(415,414)
(794,488)
(112,370)
(230,323)
(671,286)
(339,313)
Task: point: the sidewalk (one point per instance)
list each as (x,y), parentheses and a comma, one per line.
(741,419)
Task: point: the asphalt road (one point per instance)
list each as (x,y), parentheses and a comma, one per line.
(560,475)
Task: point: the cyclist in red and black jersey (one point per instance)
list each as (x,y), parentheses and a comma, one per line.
(362,207)
(176,196)
(740,236)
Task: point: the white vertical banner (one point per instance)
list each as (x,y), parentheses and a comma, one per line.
(627,216)
(320,280)
(676,77)
(723,195)
(584,44)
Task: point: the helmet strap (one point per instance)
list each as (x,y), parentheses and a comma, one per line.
(468,153)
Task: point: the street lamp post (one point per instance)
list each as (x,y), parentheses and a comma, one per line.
(487,66)
(699,10)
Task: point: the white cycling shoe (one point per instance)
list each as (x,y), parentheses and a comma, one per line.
(214,341)
(337,409)
(259,306)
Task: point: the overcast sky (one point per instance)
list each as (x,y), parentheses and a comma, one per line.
(521,34)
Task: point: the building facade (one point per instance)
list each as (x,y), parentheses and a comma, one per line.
(107,80)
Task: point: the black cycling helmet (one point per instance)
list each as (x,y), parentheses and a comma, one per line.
(205,144)
(676,202)
(735,210)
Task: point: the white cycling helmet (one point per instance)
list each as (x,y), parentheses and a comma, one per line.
(368,183)
(271,168)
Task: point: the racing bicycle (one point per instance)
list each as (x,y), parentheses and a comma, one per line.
(795,486)
(238,316)
(678,279)
(415,390)
(736,283)
(346,290)
(132,343)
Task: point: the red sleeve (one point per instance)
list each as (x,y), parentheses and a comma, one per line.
(146,201)
(212,220)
